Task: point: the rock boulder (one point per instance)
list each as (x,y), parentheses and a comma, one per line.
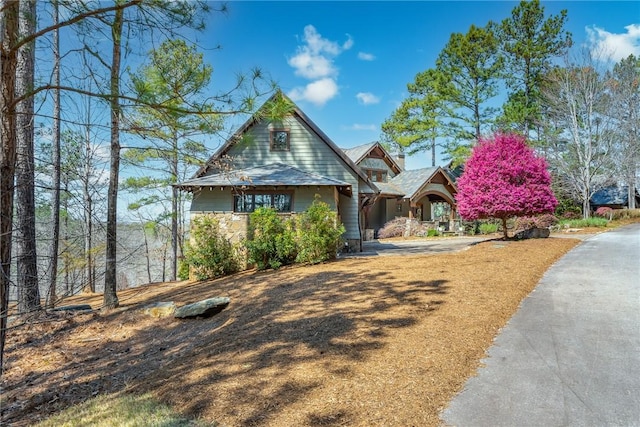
(205,308)
(533,233)
(160,309)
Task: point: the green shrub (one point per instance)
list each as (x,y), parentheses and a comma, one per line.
(488,228)
(183,269)
(270,240)
(471,228)
(567,206)
(209,253)
(432,233)
(318,233)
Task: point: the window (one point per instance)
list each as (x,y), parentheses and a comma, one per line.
(279,140)
(249,202)
(377,175)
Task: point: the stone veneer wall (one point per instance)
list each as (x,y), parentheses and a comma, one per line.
(235,226)
(353,246)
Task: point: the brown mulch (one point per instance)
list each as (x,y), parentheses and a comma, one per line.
(358,342)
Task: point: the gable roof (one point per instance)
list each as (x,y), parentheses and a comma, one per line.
(390,189)
(296,112)
(271,175)
(411,181)
(359,153)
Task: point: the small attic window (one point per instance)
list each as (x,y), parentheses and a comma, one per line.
(280,140)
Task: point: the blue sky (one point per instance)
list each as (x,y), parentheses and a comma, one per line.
(347,64)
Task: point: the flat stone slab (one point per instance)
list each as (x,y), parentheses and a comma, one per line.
(205,308)
(74,307)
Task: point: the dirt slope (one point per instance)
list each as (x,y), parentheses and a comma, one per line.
(359,342)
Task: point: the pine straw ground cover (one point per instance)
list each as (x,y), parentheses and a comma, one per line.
(359,342)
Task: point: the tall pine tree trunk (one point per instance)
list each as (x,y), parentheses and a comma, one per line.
(174,212)
(25,237)
(90,285)
(110,277)
(55,160)
(174,234)
(9,11)
(433,152)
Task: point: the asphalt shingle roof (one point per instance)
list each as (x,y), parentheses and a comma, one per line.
(410,181)
(356,153)
(271,175)
(612,195)
(389,189)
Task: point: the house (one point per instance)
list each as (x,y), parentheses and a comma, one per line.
(285,162)
(426,194)
(614,197)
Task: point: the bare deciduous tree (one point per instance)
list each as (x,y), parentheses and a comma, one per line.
(624,84)
(578,103)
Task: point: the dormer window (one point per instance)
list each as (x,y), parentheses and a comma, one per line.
(279,140)
(376,175)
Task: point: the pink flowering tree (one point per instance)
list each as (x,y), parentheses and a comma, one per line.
(504,178)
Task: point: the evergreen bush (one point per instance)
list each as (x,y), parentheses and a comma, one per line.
(209,253)
(318,233)
(183,269)
(270,241)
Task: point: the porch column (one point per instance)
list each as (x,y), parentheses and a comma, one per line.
(452,219)
(412,207)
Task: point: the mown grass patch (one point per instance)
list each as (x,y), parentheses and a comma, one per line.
(118,410)
(584,223)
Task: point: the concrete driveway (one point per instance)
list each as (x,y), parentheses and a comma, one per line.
(416,246)
(570,356)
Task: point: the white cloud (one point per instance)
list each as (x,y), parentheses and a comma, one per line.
(358,127)
(348,44)
(366,56)
(367,98)
(317,92)
(312,66)
(616,46)
(317,44)
(314,60)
